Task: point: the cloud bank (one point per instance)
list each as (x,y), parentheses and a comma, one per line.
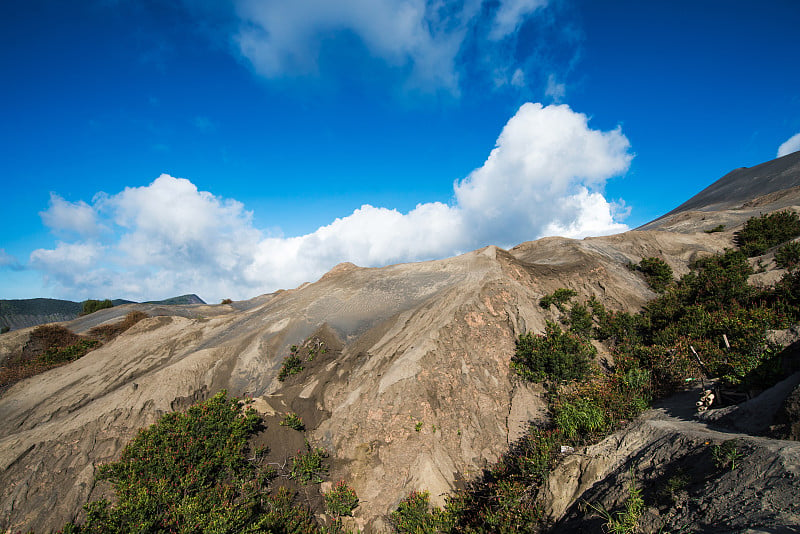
(790,145)
(545,176)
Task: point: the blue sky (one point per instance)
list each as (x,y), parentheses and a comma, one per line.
(154,148)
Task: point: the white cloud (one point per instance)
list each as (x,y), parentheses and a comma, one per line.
(424,39)
(518,78)
(281,38)
(545,176)
(64,217)
(511,14)
(555,90)
(791,145)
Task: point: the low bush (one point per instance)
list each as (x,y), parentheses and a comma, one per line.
(293,421)
(580,321)
(414,515)
(309,466)
(560,297)
(580,419)
(292,365)
(657,273)
(759,234)
(556,355)
(341,500)
(788,256)
(190,472)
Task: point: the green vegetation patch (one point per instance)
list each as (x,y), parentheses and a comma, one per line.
(91,306)
(556,355)
(293,421)
(788,256)
(560,297)
(657,273)
(759,234)
(341,500)
(192,472)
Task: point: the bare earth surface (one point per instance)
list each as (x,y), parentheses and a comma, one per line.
(416,343)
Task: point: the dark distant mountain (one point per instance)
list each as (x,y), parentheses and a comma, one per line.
(176,301)
(23,313)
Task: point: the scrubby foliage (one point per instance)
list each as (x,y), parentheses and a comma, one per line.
(560,297)
(341,500)
(91,306)
(788,256)
(191,473)
(107,332)
(293,421)
(226,301)
(657,273)
(292,365)
(556,355)
(48,346)
(309,465)
(762,233)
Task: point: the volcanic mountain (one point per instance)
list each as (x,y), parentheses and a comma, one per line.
(414,390)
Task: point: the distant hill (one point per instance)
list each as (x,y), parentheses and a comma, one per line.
(24,313)
(179,301)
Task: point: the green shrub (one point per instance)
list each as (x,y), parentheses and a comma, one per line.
(190,472)
(762,233)
(91,306)
(580,419)
(559,297)
(657,273)
(292,365)
(58,355)
(414,515)
(309,466)
(788,256)
(718,281)
(717,228)
(293,421)
(580,321)
(341,500)
(556,355)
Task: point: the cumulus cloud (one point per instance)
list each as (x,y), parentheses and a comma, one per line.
(791,145)
(424,38)
(66,217)
(545,176)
